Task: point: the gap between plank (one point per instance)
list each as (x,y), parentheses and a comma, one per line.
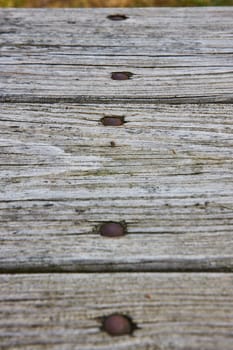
(109,100)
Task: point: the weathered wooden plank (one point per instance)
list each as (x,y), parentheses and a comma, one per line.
(168,177)
(159,26)
(179,55)
(64,311)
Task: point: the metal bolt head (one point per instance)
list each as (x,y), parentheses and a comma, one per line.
(117,325)
(121,75)
(112,229)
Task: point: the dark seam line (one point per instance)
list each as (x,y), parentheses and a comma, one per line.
(111,100)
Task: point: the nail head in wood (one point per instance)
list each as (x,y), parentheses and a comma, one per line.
(117,17)
(112,121)
(121,75)
(112,229)
(117,325)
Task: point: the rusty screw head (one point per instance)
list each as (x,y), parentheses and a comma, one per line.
(121,75)
(117,324)
(112,121)
(112,229)
(117,17)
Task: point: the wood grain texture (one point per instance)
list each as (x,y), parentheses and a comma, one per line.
(63,311)
(176,55)
(166,173)
(169,178)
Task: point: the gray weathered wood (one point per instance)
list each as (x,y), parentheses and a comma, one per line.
(179,55)
(166,173)
(169,177)
(172,311)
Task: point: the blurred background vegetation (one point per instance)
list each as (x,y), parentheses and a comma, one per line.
(111,3)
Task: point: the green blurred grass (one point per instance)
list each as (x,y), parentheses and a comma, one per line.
(112,3)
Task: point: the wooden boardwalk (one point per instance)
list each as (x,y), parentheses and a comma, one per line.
(163,172)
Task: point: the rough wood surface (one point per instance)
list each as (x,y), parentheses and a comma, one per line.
(172,311)
(179,55)
(167,173)
(169,177)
